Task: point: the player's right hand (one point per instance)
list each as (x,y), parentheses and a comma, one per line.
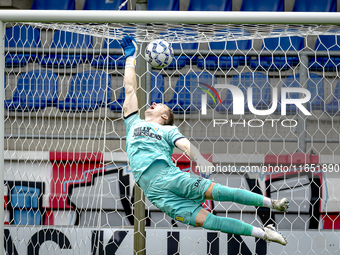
(129,46)
(205,168)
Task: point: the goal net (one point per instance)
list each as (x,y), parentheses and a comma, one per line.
(68,185)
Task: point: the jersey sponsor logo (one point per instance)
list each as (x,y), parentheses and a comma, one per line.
(145,131)
(198,182)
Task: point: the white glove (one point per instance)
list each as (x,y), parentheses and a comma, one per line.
(204,167)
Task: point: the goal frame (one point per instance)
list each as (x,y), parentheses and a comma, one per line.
(81,16)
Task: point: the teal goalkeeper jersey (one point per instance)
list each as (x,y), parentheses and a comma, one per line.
(147,142)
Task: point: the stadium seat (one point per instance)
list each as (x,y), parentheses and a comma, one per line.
(27,217)
(21,37)
(216,5)
(103,5)
(279,44)
(326,43)
(187,95)
(157,88)
(315,87)
(88,91)
(333,107)
(261,92)
(109,61)
(53,5)
(183,59)
(25,197)
(164,5)
(67,41)
(262,5)
(315,6)
(35,90)
(226,62)
(156,93)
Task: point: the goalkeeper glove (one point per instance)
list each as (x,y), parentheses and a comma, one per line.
(205,167)
(130,48)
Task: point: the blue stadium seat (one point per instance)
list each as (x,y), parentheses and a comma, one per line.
(204,5)
(333,107)
(21,37)
(262,5)
(184,59)
(316,88)
(226,62)
(35,90)
(157,88)
(27,217)
(156,95)
(315,6)
(261,92)
(25,197)
(164,5)
(110,61)
(67,41)
(103,5)
(53,5)
(324,43)
(187,96)
(88,91)
(284,43)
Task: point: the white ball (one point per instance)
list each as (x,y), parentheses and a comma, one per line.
(159,53)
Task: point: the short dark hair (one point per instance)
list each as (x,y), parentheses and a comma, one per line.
(171,119)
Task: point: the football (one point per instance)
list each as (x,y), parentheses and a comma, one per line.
(159,54)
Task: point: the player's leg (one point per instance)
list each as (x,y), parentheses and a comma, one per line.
(220,192)
(233,226)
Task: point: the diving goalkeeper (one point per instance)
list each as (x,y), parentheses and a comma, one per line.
(150,143)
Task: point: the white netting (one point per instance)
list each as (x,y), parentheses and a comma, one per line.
(66,172)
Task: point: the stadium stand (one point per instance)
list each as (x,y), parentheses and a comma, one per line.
(325,43)
(109,61)
(53,5)
(184,59)
(203,5)
(157,88)
(67,40)
(187,95)
(103,5)
(156,93)
(261,91)
(316,88)
(35,90)
(225,62)
(21,37)
(334,105)
(262,5)
(87,91)
(315,6)
(278,44)
(164,5)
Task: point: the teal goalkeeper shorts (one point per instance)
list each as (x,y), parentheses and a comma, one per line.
(176,193)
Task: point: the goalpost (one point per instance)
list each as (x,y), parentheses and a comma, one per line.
(67,183)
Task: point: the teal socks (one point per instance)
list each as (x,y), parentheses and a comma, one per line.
(241,196)
(227,225)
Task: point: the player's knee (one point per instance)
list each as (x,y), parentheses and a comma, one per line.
(200,217)
(209,193)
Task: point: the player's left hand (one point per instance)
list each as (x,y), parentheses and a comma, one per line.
(129,46)
(206,168)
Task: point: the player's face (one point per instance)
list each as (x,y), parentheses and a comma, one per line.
(157,109)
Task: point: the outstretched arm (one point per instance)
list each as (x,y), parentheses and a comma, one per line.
(130,48)
(205,167)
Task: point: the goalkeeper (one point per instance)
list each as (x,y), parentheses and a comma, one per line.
(150,143)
